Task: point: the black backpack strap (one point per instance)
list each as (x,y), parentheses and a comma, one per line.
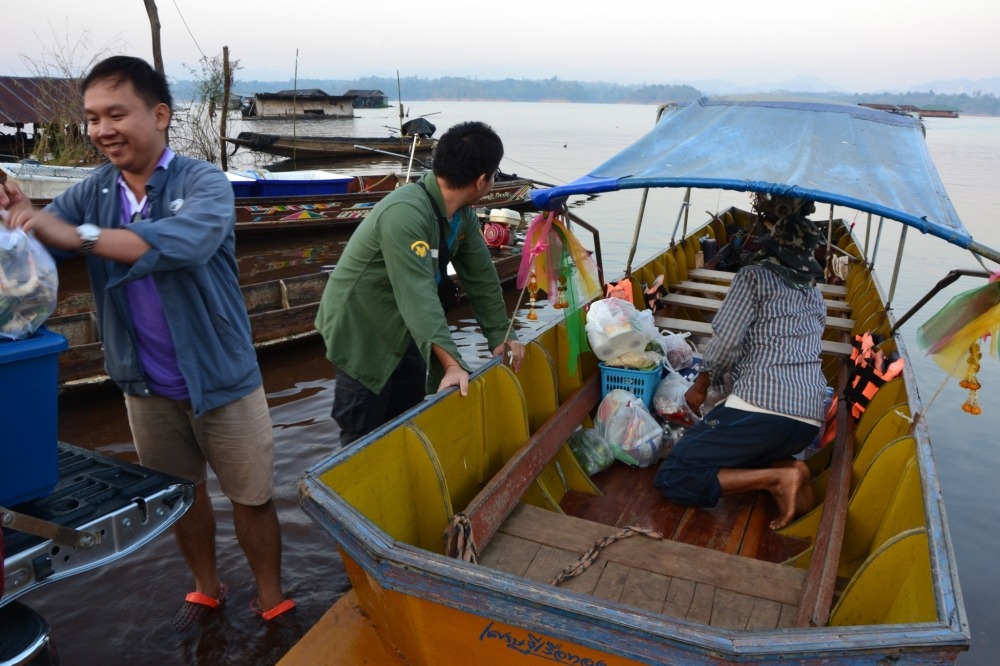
(444,254)
(447,291)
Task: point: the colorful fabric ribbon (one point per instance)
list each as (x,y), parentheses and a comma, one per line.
(552,250)
(968,317)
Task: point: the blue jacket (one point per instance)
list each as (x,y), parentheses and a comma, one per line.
(191,233)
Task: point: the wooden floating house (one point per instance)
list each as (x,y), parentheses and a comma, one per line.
(307,103)
(368,99)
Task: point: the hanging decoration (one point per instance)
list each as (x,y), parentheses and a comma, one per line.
(533,295)
(561,266)
(953,335)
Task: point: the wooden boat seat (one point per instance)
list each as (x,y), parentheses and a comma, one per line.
(713,305)
(725,276)
(494,502)
(660,576)
(723,289)
(704,329)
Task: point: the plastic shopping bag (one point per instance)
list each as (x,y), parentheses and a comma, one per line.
(28,284)
(591,450)
(614,328)
(670,401)
(632,432)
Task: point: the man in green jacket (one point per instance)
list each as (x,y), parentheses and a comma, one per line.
(381,317)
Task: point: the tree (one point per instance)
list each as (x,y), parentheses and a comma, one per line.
(60,69)
(154,26)
(197,132)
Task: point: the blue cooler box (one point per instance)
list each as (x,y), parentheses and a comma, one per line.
(29,413)
(302,183)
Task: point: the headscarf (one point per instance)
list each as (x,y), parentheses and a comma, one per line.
(788,251)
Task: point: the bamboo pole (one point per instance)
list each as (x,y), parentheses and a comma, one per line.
(227,85)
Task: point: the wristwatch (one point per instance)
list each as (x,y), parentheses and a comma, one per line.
(89,233)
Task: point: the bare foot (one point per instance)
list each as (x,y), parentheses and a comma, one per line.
(791,492)
(805,501)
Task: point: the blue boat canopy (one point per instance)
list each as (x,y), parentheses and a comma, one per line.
(829,152)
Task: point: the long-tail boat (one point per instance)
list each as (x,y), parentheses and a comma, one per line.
(282,214)
(455,520)
(330,147)
(281,311)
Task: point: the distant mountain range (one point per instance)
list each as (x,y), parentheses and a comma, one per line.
(975,97)
(990,86)
(811,84)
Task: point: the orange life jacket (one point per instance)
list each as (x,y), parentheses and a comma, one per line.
(621,289)
(871,371)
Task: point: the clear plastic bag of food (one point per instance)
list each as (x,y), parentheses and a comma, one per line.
(677,349)
(591,450)
(28,284)
(670,401)
(626,424)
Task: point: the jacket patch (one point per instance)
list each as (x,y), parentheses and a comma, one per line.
(420,248)
(176,204)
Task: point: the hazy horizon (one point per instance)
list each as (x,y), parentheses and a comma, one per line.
(853,46)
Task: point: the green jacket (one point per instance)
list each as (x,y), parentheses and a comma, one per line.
(383,292)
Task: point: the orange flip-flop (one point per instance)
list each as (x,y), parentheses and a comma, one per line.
(268,615)
(195,608)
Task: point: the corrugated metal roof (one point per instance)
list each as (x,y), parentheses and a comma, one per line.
(38,99)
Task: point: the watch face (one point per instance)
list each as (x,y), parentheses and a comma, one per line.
(89,232)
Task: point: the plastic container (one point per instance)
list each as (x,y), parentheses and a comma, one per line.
(709,246)
(300,183)
(29,410)
(641,383)
(505,216)
(243,186)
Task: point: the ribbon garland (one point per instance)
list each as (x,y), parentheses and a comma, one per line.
(953,334)
(553,250)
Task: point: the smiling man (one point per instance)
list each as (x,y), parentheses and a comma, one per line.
(157,230)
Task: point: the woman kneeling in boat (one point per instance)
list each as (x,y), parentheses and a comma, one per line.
(767,337)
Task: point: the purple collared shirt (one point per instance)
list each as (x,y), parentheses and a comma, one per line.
(152,334)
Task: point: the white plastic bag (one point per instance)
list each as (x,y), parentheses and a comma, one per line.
(28,284)
(632,432)
(614,328)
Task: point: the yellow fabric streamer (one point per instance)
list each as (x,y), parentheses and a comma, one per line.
(968,317)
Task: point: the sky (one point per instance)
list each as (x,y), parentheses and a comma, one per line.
(851,45)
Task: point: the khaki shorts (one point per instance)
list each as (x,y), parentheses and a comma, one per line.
(236,440)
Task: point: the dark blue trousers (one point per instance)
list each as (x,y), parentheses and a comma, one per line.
(727,439)
(358,410)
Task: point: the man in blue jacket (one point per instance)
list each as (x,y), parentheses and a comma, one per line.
(158,232)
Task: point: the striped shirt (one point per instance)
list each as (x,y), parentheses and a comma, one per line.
(767,337)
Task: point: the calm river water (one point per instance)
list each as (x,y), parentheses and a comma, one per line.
(118,614)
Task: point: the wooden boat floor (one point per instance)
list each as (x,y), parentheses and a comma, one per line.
(656,575)
(716,566)
(737,525)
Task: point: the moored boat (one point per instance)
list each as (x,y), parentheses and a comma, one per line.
(281,311)
(344,212)
(330,147)
(292,201)
(868,576)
